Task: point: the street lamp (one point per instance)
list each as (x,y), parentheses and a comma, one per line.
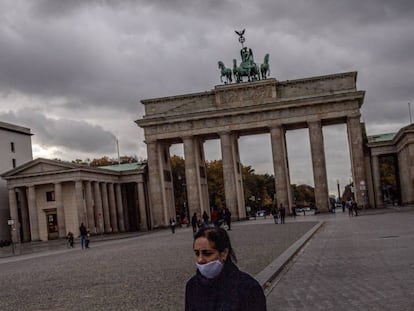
(339,190)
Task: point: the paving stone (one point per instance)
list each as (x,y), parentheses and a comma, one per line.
(358,263)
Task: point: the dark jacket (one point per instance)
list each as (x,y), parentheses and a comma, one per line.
(82,230)
(231,290)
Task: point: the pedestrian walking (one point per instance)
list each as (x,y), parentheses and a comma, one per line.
(218,283)
(214,216)
(350,207)
(205,218)
(220,217)
(355,208)
(282,213)
(172,225)
(275,215)
(83,235)
(227,218)
(194,222)
(70,239)
(87,241)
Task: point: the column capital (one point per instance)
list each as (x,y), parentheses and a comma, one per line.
(356,115)
(150,141)
(276,125)
(187,137)
(222,133)
(314,121)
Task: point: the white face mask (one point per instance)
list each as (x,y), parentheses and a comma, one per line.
(211,269)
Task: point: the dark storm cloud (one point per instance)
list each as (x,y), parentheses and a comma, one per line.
(74,136)
(96,58)
(52,8)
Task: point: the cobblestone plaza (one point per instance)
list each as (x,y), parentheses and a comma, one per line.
(147,272)
(350,263)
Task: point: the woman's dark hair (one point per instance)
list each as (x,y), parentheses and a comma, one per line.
(220,238)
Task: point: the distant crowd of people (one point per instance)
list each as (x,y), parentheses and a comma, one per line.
(219,217)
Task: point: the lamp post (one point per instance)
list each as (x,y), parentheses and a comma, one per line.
(339,190)
(117,148)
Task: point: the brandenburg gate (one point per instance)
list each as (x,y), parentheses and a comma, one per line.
(232,110)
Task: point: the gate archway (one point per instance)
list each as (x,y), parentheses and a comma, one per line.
(230,111)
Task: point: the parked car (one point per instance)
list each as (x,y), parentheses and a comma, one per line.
(298,210)
(260,213)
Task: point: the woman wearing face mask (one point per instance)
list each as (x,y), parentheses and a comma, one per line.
(218,283)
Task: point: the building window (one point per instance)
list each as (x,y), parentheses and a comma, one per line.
(14,163)
(50,196)
(12,147)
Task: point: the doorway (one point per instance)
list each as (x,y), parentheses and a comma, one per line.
(52,225)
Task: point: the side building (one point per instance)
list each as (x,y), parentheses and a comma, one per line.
(392,162)
(50,198)
(15,150)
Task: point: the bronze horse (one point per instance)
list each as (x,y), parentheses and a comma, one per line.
(225,72)
(265,68)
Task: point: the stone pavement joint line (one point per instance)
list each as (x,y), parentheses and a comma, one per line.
(268,274)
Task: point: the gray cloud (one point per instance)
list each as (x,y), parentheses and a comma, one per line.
(88,63)
(63,133)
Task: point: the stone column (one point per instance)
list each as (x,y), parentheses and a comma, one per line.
(155,184)
(60,210)
(379,202)
(33,215)
(98,208)
(319,166)
(357,157)
(105,207)
(80,203)
(125,208)
(119,207)
(112,207)
(14,215)
(238,178)
(25,215)
(193,195)
(200,164)
(142,206)
(228,172)
(89,206)
(280,166)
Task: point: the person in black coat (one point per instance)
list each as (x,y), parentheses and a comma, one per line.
(227,218)
(83,235)
(194,222)
(218,283)
(282,213)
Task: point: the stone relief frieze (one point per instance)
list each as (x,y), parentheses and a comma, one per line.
(246,96)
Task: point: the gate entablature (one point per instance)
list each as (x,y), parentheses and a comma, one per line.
(245,107)
(249,93)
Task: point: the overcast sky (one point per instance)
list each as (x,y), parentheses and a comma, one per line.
(75,71)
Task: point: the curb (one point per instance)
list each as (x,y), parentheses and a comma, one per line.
(268,274)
